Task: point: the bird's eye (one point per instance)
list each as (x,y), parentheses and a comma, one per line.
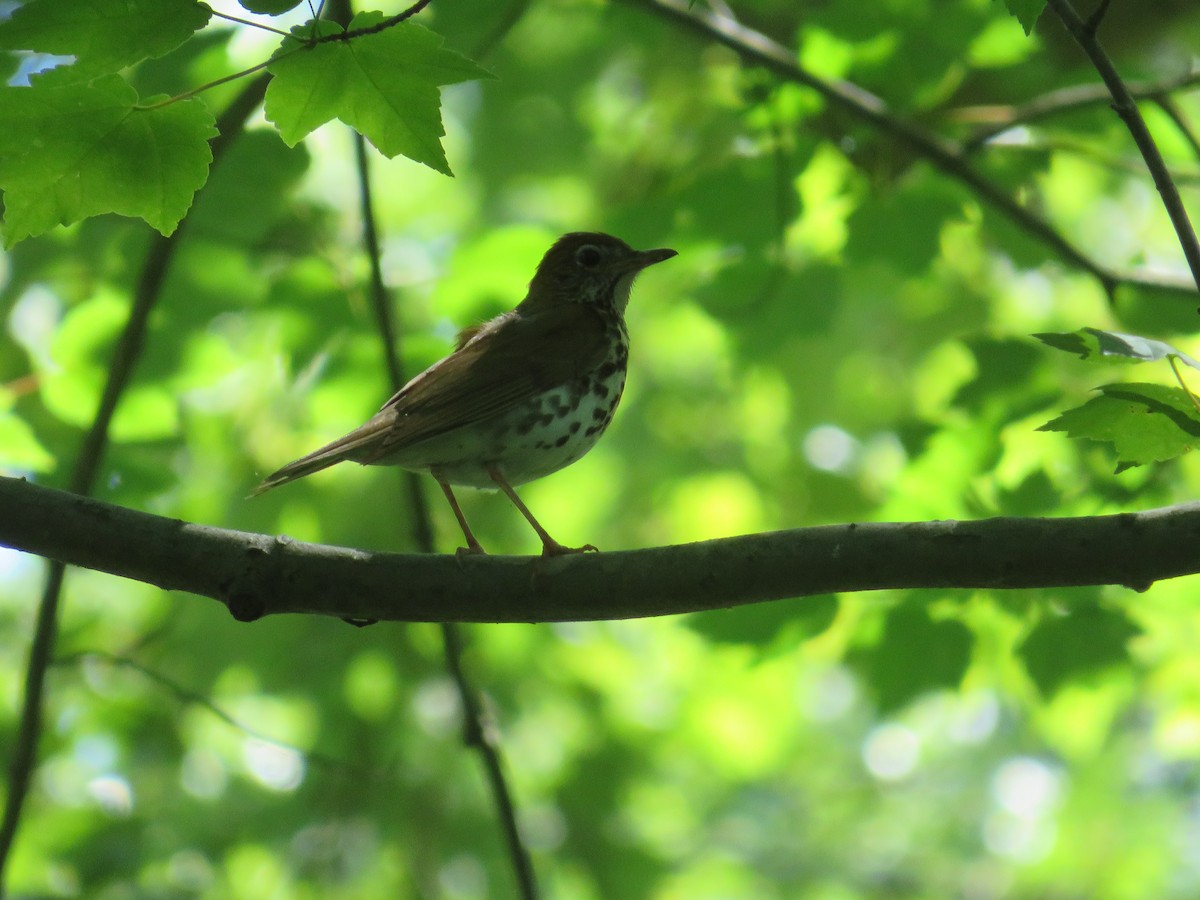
(588,256)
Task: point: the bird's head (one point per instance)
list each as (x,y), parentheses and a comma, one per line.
(590,268)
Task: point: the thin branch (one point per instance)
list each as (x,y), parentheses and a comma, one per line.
(477,732)
(1171,108)
(256,575)
(1056,103)
(382,309)
(1124,165)
(390,22)
(1127,109)
(943,154)
(501,27)
(189,697)
(83,477)
(283,54)
(1094,20)
(249,22)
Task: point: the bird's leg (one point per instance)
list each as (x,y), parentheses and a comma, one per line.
(550,547)
(473,546)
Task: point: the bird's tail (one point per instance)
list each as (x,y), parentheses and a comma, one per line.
(356,446)
(298,468)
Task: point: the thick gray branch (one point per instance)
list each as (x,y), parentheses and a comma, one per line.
(258,575)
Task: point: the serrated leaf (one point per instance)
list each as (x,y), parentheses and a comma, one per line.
(1089,639)
(1026,12)
(70,151)
(916,654)
(104,36)
(1107,346)
(383,85)
(1144,422)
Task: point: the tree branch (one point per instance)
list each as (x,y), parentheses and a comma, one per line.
(996,120)
(1126,107)
(83,476)
(758,49)
(257,575)
(477,730)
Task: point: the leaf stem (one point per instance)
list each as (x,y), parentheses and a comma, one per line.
(1171,358)
(1126,107)
(187,95)
(251,23)
(281,54)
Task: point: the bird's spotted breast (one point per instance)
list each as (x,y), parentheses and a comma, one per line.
(546,433)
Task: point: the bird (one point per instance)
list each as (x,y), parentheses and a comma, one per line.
(521,396)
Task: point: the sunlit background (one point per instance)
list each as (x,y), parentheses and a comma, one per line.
(844,336)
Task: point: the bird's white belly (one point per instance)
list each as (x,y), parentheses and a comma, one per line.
(550,432)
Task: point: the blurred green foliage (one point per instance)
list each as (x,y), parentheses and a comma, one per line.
(844,336)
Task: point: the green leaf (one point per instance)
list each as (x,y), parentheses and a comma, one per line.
(1106,346)
(250,191)
(72,151)
(268,7)
(1026,12)
(383,85)
(761,623)
(916,654)
(147,412)
(1088,639)
(19,447)
(1144,422)
(103,35)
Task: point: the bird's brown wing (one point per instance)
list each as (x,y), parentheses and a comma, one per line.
(504,363)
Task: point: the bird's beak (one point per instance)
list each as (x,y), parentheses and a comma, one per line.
(646,258)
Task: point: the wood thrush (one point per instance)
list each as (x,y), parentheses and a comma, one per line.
(521,396)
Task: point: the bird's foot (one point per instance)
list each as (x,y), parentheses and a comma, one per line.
(554,548)
(472,549)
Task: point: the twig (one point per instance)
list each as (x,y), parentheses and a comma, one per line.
(83,477)
(1056,102)
(249,22)
(476,734)
(381,307)
(189,697)
(1094,20)
(503,25)
(384,25)
(476,731)
(300,47)
(755,47)
(1171,108)
(1126,108)
(1125,165)
(479,732)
